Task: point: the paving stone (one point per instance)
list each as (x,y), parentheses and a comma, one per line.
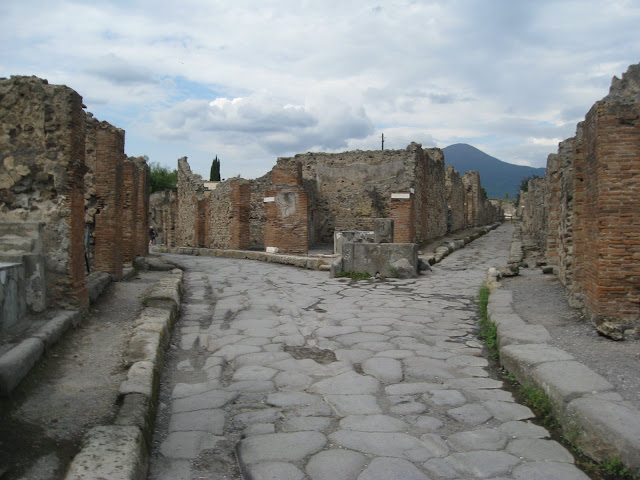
(251,386)
(471,414)
(288,399)
(388,468)
(253,372)
(203,401)
(482,463)
(445,397)
(398,354)
(305,366)
(484,395)
(411,388)
(439,468)
(211,421)
(425,422)
(229,352)
(182,390)
(373,423)
(264,358)
(354,404)
(474,372)
(334,331)
(424,368)
(353,355)
(265,415)
(259,429)
(188,444)
(275,471)
(373,347)
(395,444)
(516,429)
(541,450)
(335,465)
(408,408)
(507,411)
(548,470)
(467,361)
(346,383)
(387,370)
(474,383)
(481,439)
(280,447)
(435,444)
(359,337)
(290,340)
(299,424)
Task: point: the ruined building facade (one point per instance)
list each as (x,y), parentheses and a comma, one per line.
(64,182)
(585,213)
(304,199)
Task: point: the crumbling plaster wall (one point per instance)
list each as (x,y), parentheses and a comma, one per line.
(190,192)
(42,167)
(163,213)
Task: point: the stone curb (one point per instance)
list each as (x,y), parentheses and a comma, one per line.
(314,263)
(592,415)
(120,451)
(17,362)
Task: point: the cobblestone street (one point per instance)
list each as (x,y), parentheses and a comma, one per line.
(300,376)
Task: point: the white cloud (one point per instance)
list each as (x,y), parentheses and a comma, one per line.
(256,80)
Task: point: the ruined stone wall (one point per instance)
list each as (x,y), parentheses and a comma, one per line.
(430,191)
(190,192)
(163,213)
(559,201)
(471,182)
(351,189)
(454,196)
(534,214)
(42,167)
(141,224)
(229,206)
(104,149)
(130,199)
(257,215)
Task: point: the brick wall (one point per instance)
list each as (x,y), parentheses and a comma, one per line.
(240,200)
(430,194)
(141,225)
(402,206)
(534,214)
(103,194)
(42,167)
(612,209)
(593,199)
(471,182)
(286,208)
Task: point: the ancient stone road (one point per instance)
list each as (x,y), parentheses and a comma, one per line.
(307,377)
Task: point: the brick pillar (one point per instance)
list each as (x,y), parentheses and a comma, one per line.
(240,212)
(76,292)
(577,288)
(611,209)
(108,187)
(286,208)
(129,209)
(403,215)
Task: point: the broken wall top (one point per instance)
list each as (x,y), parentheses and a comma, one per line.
(626,89)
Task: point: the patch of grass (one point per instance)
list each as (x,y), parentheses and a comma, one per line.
(616,468)
(488,330)
(354,275)
(539,402)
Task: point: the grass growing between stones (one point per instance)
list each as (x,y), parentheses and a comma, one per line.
(354,275)
(488,330)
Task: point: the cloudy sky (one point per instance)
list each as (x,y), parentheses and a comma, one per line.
(251,80)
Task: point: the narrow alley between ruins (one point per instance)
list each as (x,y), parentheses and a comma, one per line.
(286,374)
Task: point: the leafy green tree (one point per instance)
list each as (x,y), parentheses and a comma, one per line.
(162,178)
(214,176)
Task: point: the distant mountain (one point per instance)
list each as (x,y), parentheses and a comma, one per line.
(497,177)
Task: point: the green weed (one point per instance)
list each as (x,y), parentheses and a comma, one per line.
(354,275)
